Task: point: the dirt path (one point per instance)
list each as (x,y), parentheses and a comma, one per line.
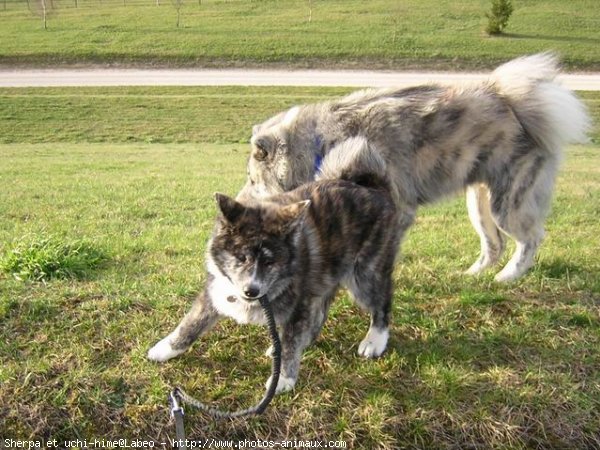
(242,77)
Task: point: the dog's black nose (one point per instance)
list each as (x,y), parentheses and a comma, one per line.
(251,291)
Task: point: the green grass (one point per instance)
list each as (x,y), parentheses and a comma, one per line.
(471,363)
(160,114)
(343,33)
(41,258)
(141,114)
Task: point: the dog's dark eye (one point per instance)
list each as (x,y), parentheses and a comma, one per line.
(268,261)
(241,258)
(267,257)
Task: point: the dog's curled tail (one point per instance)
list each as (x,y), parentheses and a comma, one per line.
(551,114)
(357,161)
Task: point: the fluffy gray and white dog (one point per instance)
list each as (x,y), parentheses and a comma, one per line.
(501,140)
(297,248)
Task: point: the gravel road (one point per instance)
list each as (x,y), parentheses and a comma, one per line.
(242,77)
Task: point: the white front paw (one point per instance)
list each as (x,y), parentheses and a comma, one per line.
(478,266)
(284,384)
(163,351)
(509,273)
(374,343)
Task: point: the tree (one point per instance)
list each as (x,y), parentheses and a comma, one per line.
(498,16)
(177,4)
(42,8)
(44,13)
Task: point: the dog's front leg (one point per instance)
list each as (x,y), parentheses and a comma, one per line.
(297,334)
(291,354)
(196,322)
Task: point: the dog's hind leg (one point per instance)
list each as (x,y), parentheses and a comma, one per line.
(371,282)
(492,239)
(521,212)
(197,321)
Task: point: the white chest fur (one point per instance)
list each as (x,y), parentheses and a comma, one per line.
(221,292)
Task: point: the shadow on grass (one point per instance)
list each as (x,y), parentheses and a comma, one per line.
(544,37)
(560,269)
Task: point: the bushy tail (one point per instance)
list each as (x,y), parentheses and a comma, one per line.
(357,161)
(550,113)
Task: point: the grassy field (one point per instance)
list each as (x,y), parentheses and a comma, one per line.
(343,33)
(160,114)
(121,181)
(139,114)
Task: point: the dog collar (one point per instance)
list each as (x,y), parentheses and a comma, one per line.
(318,157)
(318,161)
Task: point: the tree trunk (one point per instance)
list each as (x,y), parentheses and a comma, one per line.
(44,14)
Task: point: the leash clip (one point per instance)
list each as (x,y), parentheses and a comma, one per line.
(175,406)
(177,415)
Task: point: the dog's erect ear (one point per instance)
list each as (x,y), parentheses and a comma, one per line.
(231,210)
(293,214)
